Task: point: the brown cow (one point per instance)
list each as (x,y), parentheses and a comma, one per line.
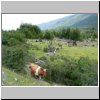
(37,70)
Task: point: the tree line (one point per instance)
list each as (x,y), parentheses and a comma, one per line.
(34,32)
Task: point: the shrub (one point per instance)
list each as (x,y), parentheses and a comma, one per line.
(71,72)
(30,31)
(11,38)
(49,48)
(14,50)
(14,57)
(89,71)
(76,34)
(49,35)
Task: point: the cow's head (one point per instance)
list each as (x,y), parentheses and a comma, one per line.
(30,65)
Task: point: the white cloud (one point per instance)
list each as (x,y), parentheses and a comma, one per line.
(13,21)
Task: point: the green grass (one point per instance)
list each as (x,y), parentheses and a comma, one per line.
(74,52)
(22,80)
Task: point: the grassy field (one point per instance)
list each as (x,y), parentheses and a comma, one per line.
(74,52)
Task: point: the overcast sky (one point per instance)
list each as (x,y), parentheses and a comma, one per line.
(13,21)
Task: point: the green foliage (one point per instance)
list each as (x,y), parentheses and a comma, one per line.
(30,31)
(75,34)
(68,31)
(88,71)
(33,31)
(14,57)
(90,33)
(11,38)
(27,29)
(71,72)
(14,50)
(65,33)
(49,35)
(49,48)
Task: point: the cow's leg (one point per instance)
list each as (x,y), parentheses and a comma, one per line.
(39,77)
(36,76)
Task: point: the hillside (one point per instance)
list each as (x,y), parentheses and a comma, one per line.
(77,20)
(11,78)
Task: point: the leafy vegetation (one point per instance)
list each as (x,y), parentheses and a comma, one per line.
(14,50)
(71,66)
(30,31)
(71,72)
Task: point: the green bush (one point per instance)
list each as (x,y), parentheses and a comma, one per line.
(30,31)
(11,38)
(14,50)
(14,57)
(49,35)
(71,72)
(49,48)
(89,71)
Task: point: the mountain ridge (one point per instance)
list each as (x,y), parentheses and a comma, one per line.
(77,20)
